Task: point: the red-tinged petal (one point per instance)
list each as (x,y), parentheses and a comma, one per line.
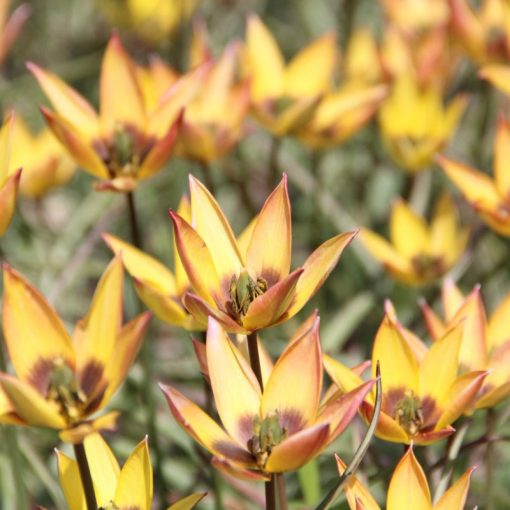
(387,428)
(339,412)
(210,223)
(358,496)
(498,332)
(181,278)
(298,449)
(455,497)
(270,248)
(201,311)
(452,299)
(460,397)
(8,195)
(35,335)
(408,487)
(121,184)
(343,377)
(204,429)
(161,150)
(77,145)
(77,434)
(70,105)
(294,386)
(197,261)
(272,306)
(231,469)
(435,326)
(30,405)
(188,502)
(493,396)
(201,354)
(426,438)
(119,104)
(234,385)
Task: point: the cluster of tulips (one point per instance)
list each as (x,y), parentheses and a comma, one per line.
(261,417)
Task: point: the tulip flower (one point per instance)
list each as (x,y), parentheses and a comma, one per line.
(418,253)
(271,430)
(417,16)
(485,344)
(129,487)
(415,124)
(160,289)
(10,26)
(408,489)
(62,381)
(9,182)
(126,142)
(45,162)
(422,391)
(489,197)
(284,98)
(246,285)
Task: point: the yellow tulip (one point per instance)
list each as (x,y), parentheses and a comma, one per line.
(418,253)
(247,285)
(62,381)
(114,488)
(408,490)
(417,16)
(271,430)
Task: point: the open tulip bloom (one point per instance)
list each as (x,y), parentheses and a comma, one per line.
(247,285)
(62,381)
(127,141)
(115,489)
(408,490)
(422,391)
(271,430)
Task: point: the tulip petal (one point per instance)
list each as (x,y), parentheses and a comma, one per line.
(344,377)
(188,502)
(387,428)
(35,335)
(70,481)
(501,158)
(498,75)
(134,486)
(30,405)
(8,196)
(119,104)
(269,251)
(433,436)
(294,386)
(234,385)
(67,102)
(272,306)
(358,496)
(233,469)
(436,328)
(298,449)
(78,433)
(408,487)
(498,332)
(204,429)
(452,299)
(455,497)
(317,268)
(408,231)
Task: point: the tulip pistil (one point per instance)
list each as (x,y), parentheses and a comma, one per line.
(409,413)
(243,290)
(428,266)
(268,433)
(123,158)
(64,390)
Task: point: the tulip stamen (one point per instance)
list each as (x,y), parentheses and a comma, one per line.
(243,290)
(409,413)
(268,433)
(428,266)
(123,158)
(64,390)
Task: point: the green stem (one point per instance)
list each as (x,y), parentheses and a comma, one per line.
(86,478)
(490,428)
(419,191)
(146,359)
(282,493)
(271,493)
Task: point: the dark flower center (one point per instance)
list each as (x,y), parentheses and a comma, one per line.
(243,290)
(267,434)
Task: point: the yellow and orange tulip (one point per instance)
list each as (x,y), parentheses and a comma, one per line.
(408,489)
(127,141)
(418,253)
(422,391)
(62,381)
(417,16)
(489,197)
(129,487)
(247,285)
(273,429)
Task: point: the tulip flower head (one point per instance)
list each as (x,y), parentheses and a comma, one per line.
(489,197)
(422,391)
(61,382)
(408,489)
(126,142)
(247,285)
(271,430)
(418,253)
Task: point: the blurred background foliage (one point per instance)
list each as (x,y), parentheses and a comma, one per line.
(55,240)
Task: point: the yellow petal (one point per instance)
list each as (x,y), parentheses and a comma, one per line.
(6,135)
(134,487)
(501,158)
(310,72)
(265,61)
(355,491)
(498,75)
(455,497)
(408,231)
(8,195)
(181,278)
(70,481)
(408,487)
(345,378)
(34,333)
(78,433)
(436,328)
(387,428)
(188,502)
(270,248)
(452,299)
(497,330)
(234,385)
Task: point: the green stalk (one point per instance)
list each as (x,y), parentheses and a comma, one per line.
(282,493)
(86,478)
(490,428)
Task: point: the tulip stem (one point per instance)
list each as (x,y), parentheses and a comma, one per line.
(133,220)
(282,494)
(86,478)
(271,494)
(253,351)
(490,424)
